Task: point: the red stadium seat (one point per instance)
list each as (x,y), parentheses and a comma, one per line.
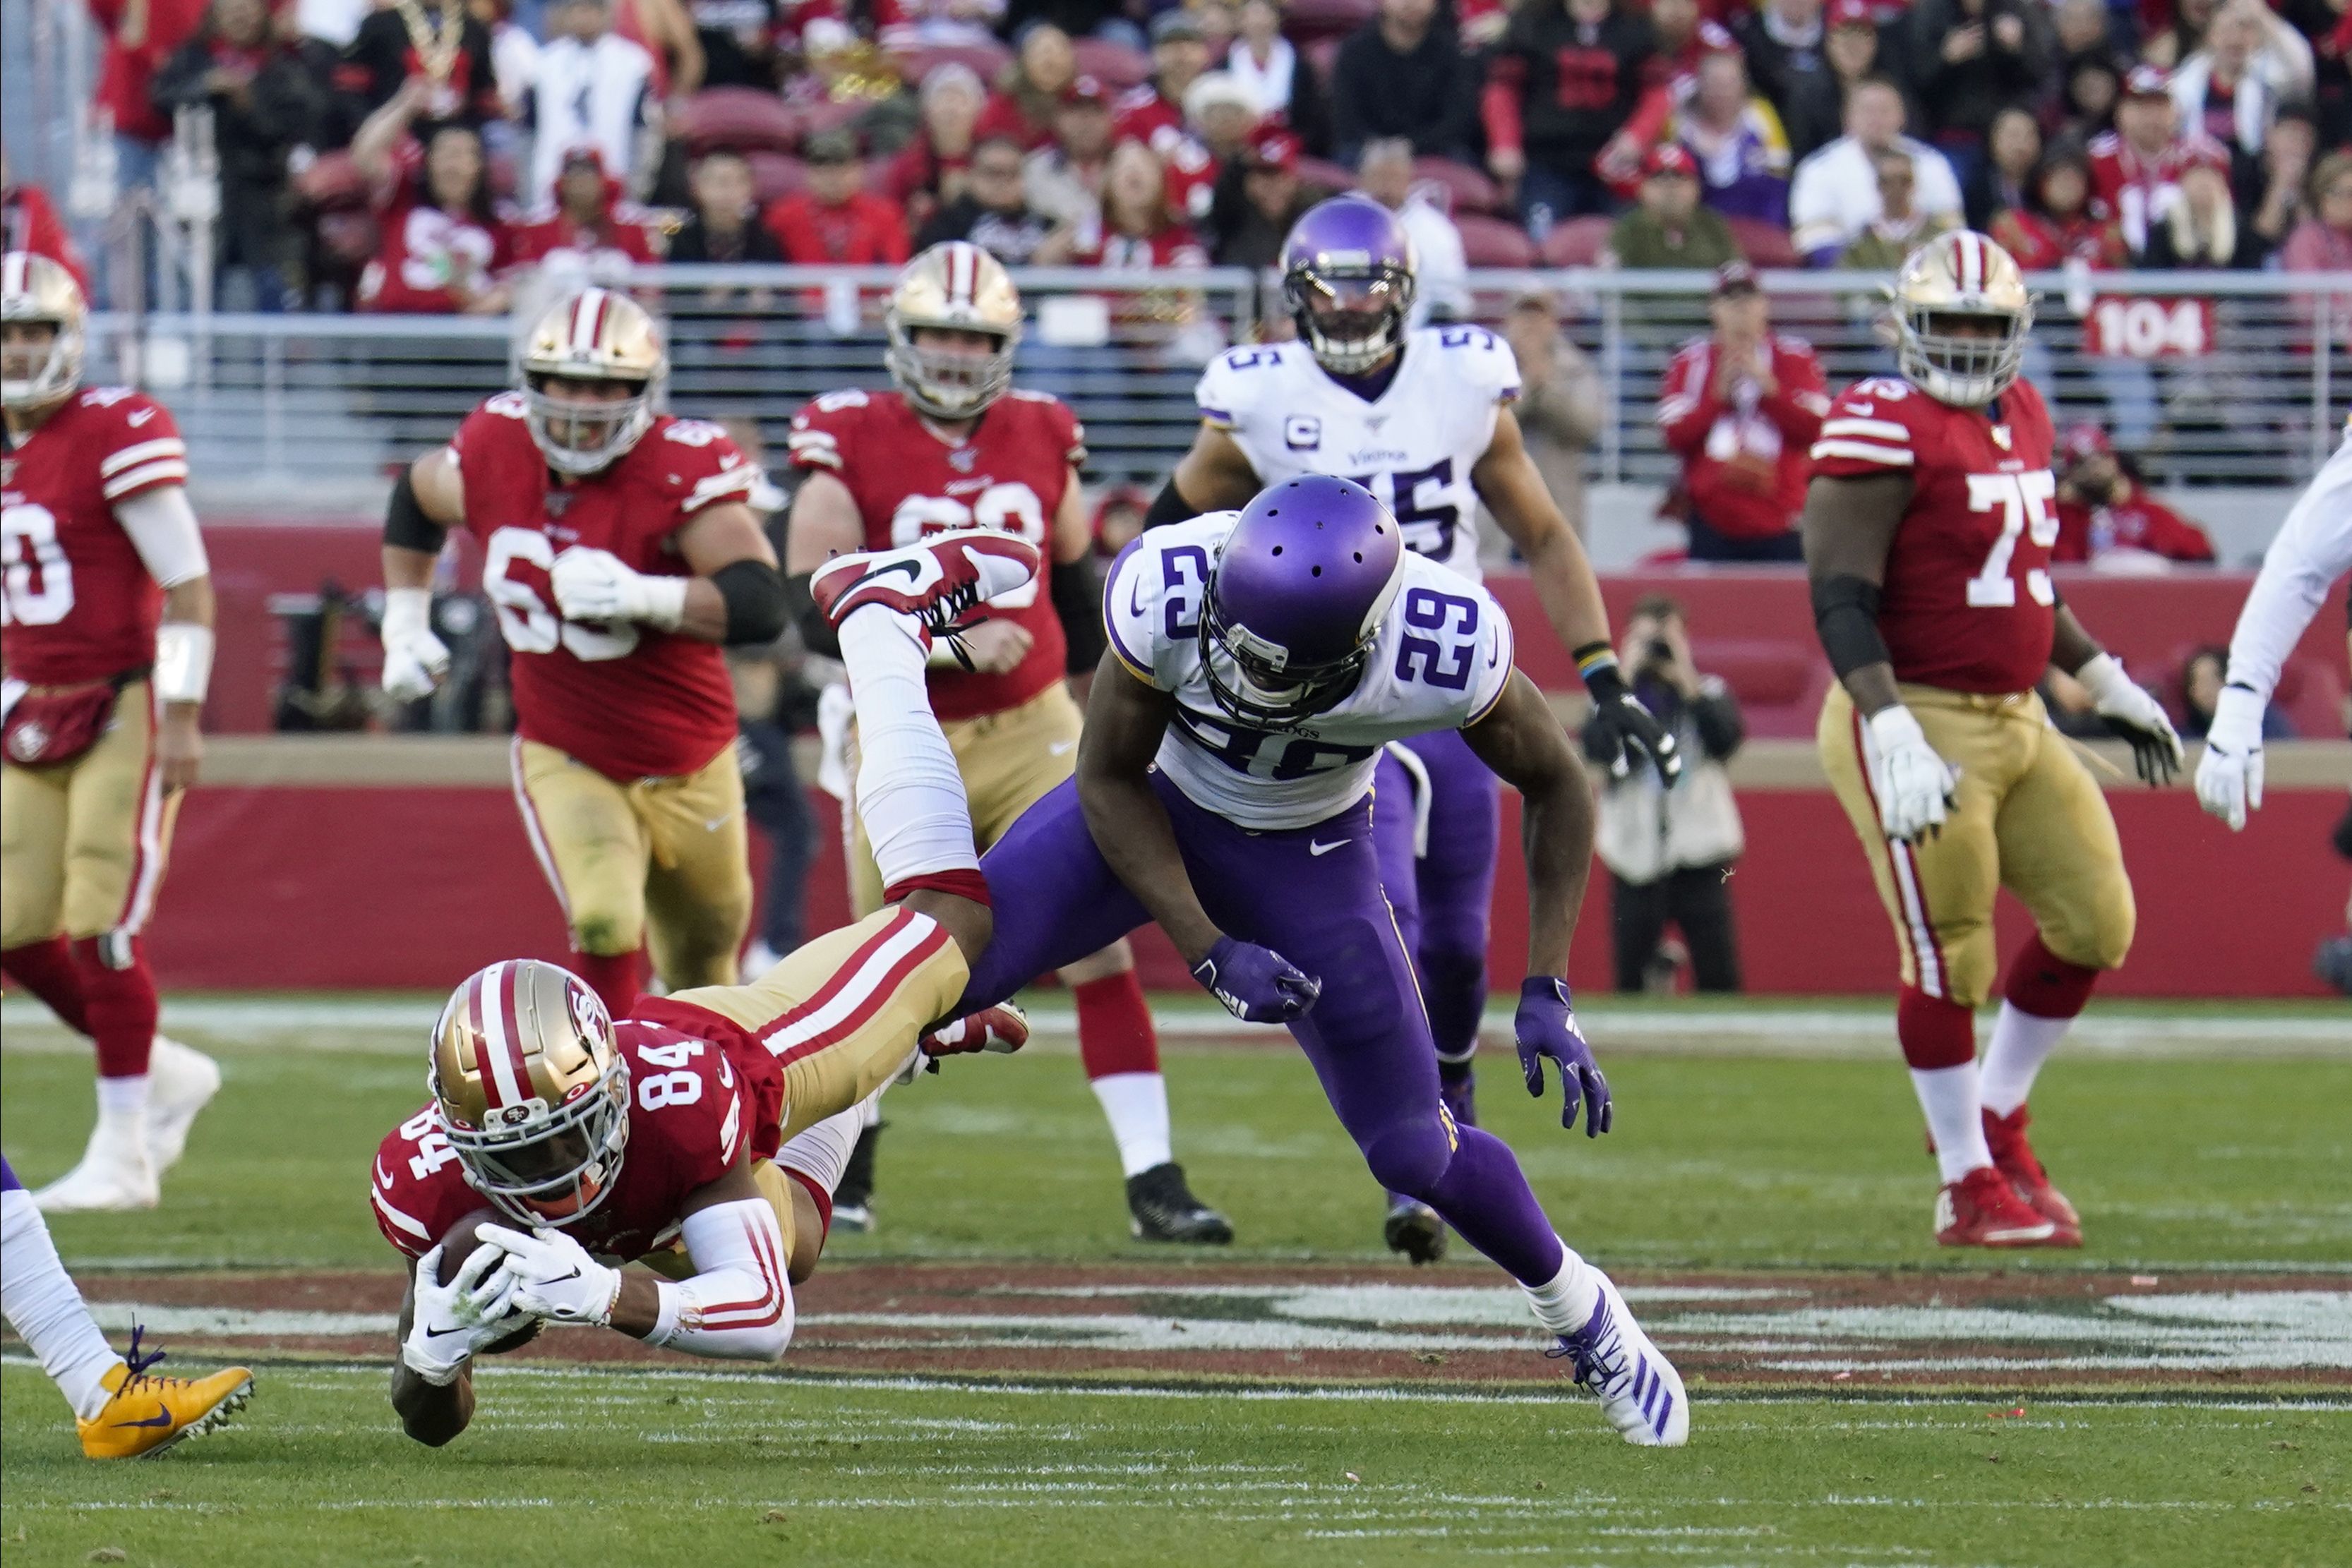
(1468,189)
(1764,244)
(1114,64)
(742,118)
(1578,242)
(775,174)
(819,118)
(988,58)
(1326,175)
(333,183)
(1494,242)
(1303,21)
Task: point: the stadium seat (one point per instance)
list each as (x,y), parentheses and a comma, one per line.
(1326,175)
(988,58)
(775,174)
(1303,21)
(1114,64)
(1578,242)
(819,118)
(740,117)
(1764,245)
(1467,189)
(1494,242)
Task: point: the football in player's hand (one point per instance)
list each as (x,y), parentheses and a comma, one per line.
(458,1245)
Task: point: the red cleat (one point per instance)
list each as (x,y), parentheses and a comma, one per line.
(1981,1209)
(2013,1157)
(1003,1029)
(937,581)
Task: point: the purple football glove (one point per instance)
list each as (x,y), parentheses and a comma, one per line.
(1256,984)
(1546,1027)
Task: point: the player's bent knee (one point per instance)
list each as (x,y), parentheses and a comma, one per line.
(606,935)
(1409,1157)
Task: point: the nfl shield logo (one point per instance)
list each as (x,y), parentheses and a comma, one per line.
(1302,432)
(2001,436)
(962,458)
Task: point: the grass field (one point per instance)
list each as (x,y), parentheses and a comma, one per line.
(999,1376)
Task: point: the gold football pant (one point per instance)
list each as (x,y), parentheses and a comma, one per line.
(83,844)
(660,863)
(2027,815)
(1009,760)
(843,1013)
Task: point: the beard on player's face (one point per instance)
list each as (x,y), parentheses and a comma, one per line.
(25,348)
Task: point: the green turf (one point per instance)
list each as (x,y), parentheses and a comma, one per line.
(1714,1161)
(564,1471)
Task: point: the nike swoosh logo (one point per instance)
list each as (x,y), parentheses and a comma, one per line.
(1135,600)
(561,1277)
(162,1417)
(445,1333)
(1320,850)
(911,568)
(135,422)
(1060,749)
(383,1176)
(715,824)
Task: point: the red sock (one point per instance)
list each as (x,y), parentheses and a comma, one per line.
(46,969)
(1115,1032)
(119,1003)
(2046,986)
(1934,1033)
(616,979)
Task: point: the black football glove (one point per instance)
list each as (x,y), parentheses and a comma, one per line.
(1619,727)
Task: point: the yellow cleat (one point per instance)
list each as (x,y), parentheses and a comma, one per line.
(148,1415)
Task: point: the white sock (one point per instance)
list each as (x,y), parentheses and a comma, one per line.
(41,1304)
(1955,1119)
(125,1096)
(1136,1105)
(2021,1044)
(910,793)
(821,1152)
(1564,1303)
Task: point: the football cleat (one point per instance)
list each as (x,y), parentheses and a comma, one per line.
(1981,1209)
(2013,1157)
(853,1195)
(146,1415)
(115,1173)
(1161,1208)
(939,581)
(181,1082)
(1003,1029)
(1638,1387)
(1413,1228)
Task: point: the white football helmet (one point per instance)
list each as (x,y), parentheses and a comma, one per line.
(34,288)
(595,335)
(955,284)
(1960,274)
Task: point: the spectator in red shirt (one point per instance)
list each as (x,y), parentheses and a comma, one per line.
(439,241)
(1563,82)
(1154,114)
(1741,408)
(2135,168)
(1137,230)
(29,221)
(2055,226)
(2106,518)
(837,219)
(1022,106)
(589,236)
(930,171)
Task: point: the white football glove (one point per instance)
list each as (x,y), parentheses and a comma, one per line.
(598,585)
(415,660)
(452,1322)
(2135,715)
(553,1276)
(2230,774)
(1913,785)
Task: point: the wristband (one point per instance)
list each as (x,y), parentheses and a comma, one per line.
(406,611)
(184,662)
(1596,663)
(1894,726)
(2103,676)
(664,601)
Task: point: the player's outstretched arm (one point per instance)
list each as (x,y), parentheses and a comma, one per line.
(1506,479)
(1521,739)
(1126,720)
(427,500)
(1216,475)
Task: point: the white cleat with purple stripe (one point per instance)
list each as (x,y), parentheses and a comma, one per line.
(1639,1389)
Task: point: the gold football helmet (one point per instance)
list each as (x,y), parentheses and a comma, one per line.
(34,288)
(955,284)
(531,1089)
(1957,277)
(595,338)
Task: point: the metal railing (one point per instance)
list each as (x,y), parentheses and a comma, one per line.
(2248,387)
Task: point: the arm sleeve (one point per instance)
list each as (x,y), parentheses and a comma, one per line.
(1688,408)
(1077,604)
(738,1306)
(162,530)
(2314,547)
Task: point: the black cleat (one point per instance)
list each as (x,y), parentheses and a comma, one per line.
(1161,1207)
(1413,1228)
(852,1196)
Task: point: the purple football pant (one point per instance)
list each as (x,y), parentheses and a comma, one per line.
(1444,898)
(1056,900)
(8,1181)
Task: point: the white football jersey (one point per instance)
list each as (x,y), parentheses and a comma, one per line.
(1440,661)
(1413,446)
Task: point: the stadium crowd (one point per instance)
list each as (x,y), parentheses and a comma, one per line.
(421,155)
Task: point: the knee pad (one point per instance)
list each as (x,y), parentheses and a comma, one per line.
(1410,1157)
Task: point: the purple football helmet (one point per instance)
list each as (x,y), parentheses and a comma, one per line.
(1348,277)
(1296,598)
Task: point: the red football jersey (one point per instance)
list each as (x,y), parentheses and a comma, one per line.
(626,699)
(1009,474)
(619,243)
(1967,604)
(78,601)
(2134,191)
(1142,115)
(696,1107)
(2137,522)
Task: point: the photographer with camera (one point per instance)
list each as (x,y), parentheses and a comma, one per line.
(1670,851)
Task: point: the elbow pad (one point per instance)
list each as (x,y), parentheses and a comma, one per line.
(1168,506)
(1078,602)
(799,608)
(753,592)
(739,1307)
(1845,614)
(405,522)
